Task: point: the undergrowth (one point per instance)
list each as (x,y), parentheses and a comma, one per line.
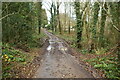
(108,64)
(14,57)
(11,57)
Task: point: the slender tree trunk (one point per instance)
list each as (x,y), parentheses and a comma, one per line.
(39,6)
(55,21)
(95,20)
(52,17)
(69,27)
(69,21)
(65,18)
(7,24)
(39,27)
(103,19)
(58,16)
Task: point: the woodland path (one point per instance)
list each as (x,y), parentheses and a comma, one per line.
(57,61)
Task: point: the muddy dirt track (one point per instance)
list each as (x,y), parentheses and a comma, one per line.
(57,62)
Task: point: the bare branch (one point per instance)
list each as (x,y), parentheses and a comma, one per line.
(12,13)
(110,17)
(47,9)
(7,15)
(115,25)
(49,4)
(5,7)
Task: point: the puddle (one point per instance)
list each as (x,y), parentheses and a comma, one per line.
(63,48)
(51,43)
(49,48)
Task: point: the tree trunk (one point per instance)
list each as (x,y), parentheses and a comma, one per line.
(103,19)
(52,17)
(39,8)
(58,15)
(93,28)
(69,27)
(79,22)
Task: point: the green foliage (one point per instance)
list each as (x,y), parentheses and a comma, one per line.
(114,10)
(101,51)
(44,17)
(17,28)
(10,58)
(19,32)
(107,64)
(84,51)
(8,53)
(49,27)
